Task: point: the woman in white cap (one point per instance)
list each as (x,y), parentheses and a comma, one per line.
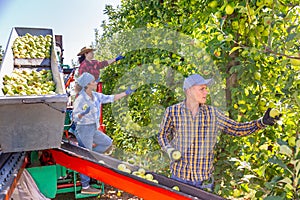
(86,114)
(194,126)
(88,64)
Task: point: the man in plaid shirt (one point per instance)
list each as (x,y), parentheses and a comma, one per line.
(193,127)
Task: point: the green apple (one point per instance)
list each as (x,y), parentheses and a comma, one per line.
(269,2)
(265,33)
(149,177)
(229,9)
(175,187)
(260,2)
(257,75)
(176,155)
(101,161)
(155,181)
(267,21)
(136,173)
(85,106)
(122,167)
(295,62)
(213,4)
(131,161)
(236,193)
(127,170)
(260,28)
(274,113)
(235,25)
(220,37)
(218,14)
(141,171)
(217,53)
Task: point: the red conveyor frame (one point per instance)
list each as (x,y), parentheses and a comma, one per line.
(114,178)
(87,162)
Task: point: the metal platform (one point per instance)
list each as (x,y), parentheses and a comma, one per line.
(11,168)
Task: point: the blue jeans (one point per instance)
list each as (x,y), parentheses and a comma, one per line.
(198,184)
(87,135)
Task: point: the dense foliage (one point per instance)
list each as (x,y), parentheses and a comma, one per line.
(250,47)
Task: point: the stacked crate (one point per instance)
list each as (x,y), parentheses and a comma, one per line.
(32,94)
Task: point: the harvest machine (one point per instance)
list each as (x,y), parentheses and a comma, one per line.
(31,124)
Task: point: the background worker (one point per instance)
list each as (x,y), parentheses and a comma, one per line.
(193,127)
(86,114)
(90,65)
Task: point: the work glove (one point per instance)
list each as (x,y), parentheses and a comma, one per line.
(173,154)
(86,111)
(129,91)
(119,57)
(270,117)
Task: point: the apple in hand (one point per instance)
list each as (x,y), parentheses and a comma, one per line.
(274,113)
(176,155)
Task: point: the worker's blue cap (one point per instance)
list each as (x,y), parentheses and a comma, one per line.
(85,79)
(195,79)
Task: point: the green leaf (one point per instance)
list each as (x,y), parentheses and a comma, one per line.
(234,49)
(284,149)
(297,146)
(248,177)
(297,168)
(259,193)
(279,162)
(286,180)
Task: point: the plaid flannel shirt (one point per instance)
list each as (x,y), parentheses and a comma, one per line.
(93,67)
(195,137)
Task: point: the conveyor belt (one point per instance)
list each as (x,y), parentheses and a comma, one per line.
(11,167)
(87,162)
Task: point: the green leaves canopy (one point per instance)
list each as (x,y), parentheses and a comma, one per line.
(252,53)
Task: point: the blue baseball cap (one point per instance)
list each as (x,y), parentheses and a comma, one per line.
(85,79)
(195,79)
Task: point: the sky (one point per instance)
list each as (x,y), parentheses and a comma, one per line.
(75,20)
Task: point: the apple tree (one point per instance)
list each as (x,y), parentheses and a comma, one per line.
(250,48)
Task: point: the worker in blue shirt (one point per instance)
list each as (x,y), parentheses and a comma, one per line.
(86,114)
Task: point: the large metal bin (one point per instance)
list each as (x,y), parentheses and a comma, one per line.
(31,122)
